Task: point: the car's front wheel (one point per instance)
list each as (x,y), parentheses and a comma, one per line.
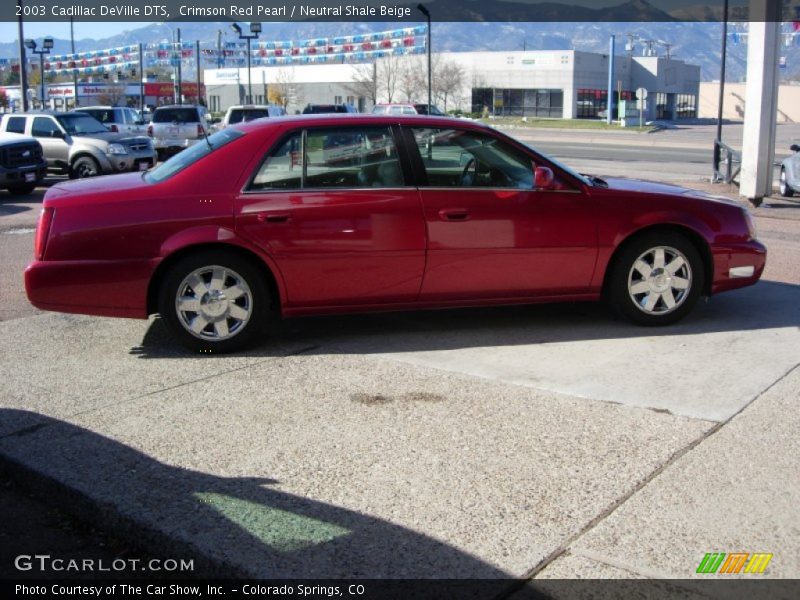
(657,279)
(20,190)
(84,167)
(215,302)
(783,185)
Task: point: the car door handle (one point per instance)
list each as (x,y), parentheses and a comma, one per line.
(272,217)
(454,214)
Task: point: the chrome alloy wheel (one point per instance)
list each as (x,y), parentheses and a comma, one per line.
(660,280)
(214,303)
(783,186)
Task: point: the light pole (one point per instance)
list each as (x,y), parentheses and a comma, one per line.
(427,14)
(255,29)
(23,62)
(47,45)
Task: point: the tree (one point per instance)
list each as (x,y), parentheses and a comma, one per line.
(112,97)
(365,82)
(388,75)
(448,82)
(3,99)
(412,80)
(283,90)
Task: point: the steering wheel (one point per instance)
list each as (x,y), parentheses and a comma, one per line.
(468,180)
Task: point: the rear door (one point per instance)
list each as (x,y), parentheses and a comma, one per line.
(53,140)
(333,208)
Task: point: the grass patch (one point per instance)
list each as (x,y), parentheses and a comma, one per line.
(534,123)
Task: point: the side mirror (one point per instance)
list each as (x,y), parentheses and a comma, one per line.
(543,178)
(794,148)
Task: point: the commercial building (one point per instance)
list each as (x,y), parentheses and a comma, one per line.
(564,84)
(733,104)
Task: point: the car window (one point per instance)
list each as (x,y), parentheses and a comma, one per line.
(407,110)
(175,115)
(379,110)
(43,127)
(457,158)
(15,125)
(104,115)
(191,155)
(247,114)
(395,110)
(128,116)
(80,124)
(283,167)
(351,157)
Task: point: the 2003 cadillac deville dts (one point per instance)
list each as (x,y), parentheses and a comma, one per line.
(325,214)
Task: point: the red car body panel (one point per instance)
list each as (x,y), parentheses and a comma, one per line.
(365,248)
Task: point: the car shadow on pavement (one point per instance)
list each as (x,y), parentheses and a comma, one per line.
(767,305)
(12,209)
(230,526)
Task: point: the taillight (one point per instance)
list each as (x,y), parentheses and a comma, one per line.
(42,232)
(200,131)
(114,129)
(150,130)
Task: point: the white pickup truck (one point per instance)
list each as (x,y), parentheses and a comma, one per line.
(248,112)
(176,127)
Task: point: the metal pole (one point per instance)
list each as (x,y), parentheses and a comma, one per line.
(220,58)
(610,107)
(41,76)
(197,57)
(23,61)
(141,78)
(249,78)
(180,61)
(724,53)
(430,85)
(74,73)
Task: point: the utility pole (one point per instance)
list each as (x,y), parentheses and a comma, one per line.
(178,90)
(200,98)
(23,62)
(74,72)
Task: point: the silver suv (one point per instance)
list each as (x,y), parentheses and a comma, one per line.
(119,119)
(80,146)
(176,127)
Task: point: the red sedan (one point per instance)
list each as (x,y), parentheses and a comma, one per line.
(312,215)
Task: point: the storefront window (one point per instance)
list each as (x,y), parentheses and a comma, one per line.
(518,102)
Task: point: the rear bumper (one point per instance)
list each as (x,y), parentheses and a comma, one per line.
(103,288)
(738,265)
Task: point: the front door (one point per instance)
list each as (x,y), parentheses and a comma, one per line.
(490,234)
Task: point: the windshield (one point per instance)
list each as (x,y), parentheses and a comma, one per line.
(78,124)
(175,115)
(247,114)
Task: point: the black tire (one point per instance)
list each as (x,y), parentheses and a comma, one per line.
(785,189)
(259,302)
(84,167)
(21,190)
(625,279)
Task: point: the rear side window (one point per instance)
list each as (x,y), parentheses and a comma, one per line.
(175,115)
(15,125)
(351,157)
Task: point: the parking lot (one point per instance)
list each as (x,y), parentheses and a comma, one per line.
(543,441)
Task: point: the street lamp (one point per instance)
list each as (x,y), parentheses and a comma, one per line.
(47,45)
(176,63)
(427,14)
(255,29)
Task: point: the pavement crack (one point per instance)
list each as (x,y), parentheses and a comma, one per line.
(677,455)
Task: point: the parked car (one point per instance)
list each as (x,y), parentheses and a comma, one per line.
(321,109)
(22,164)
(176,127)
(270,219)
(79,145)
(405,109)
(790,173)
(249,112)
(117,119)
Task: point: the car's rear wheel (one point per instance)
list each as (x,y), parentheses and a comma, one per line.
(783,185)
(19,190)
(215,302)
(656,279)
(84,167)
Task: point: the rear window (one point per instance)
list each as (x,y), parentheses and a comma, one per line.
(191,155)
(247,114)
(324,108)
(175,115)
(104,115)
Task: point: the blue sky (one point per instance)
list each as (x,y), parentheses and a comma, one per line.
(8,31)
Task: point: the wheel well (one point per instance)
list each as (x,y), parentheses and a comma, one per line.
(695,238)
(75,158)
(157,279)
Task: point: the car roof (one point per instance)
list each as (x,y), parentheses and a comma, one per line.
(246,106)
(287,122)
(178,106)
(395,104)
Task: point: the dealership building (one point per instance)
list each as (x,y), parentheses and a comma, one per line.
(566,84)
